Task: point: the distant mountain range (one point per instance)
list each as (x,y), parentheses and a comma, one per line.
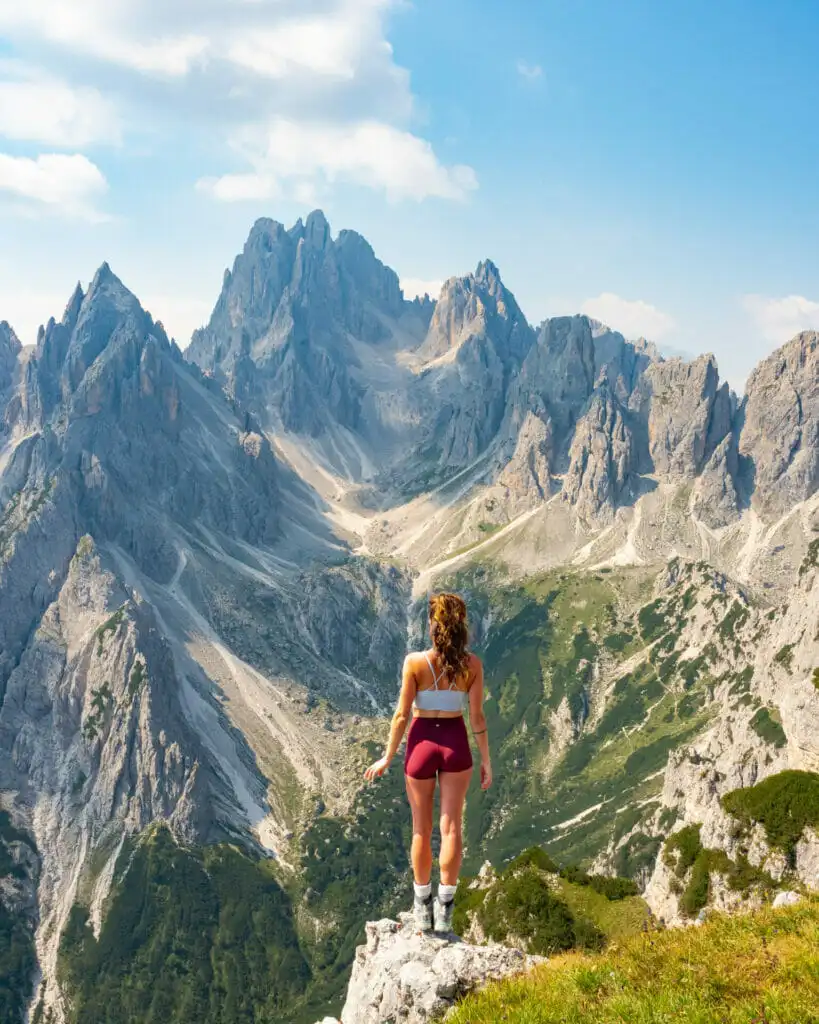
(211,564)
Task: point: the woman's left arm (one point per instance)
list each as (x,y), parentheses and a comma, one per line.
(399,722)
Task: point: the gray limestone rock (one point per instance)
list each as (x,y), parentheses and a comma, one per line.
(602,460)
(779,443)
(402,975)
(716,501)
(9,354)
(687,414)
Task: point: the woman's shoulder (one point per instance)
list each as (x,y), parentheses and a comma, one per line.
(474,664)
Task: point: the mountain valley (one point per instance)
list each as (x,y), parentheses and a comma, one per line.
(213,560)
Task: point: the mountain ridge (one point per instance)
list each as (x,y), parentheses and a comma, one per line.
(258,534)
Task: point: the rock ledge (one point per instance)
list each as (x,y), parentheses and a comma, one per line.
(404,975)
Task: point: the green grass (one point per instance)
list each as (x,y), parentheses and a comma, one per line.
(551,908)
(547,635)
(752,969)
(784,804)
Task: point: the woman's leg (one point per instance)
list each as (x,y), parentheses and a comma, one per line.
(453,794)
(421,793)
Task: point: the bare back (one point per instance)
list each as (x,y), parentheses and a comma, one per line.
(428,674)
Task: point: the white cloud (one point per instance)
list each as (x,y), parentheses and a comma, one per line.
(34,107)
(66,184)
(370,153)
(779,320)
(632,318)
(529,72)
(414,287)
(314,82)
(108,30)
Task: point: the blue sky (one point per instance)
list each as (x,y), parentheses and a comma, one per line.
(653,164)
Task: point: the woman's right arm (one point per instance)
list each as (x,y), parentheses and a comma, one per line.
(477,719)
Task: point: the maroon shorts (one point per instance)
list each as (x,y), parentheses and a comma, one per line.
(437,745)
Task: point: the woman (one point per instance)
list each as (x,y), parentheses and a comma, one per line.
(435,688)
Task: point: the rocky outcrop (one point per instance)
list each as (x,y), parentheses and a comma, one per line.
(779,443)
(601,460)
(716,501)
(280,334)
(739,750)
(403,975)
(9,353)
(95,745)
(687,414)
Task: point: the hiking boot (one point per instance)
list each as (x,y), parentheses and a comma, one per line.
(422,913)
(443,917)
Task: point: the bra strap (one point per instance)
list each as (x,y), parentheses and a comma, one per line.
(432,670)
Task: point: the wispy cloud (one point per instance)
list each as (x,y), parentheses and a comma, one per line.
(67,185)
(289,153)
(633,318)
(37,107)
(313,84)
(780,319)
(529,72)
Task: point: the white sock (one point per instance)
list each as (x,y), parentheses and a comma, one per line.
(446,893)
(422,892)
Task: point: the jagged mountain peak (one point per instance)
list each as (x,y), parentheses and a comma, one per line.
(465,309)
(779,442)
(9,342)
(72,309)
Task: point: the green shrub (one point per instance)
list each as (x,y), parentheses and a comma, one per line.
(637,855)
(811,560)
(525,906)
(189,935)
(784,804)
(617,641)
(767,724)
(682,849)
(535,857)
(784,656)
(652,620)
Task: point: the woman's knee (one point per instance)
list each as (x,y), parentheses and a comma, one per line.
(451,828)
(422,831)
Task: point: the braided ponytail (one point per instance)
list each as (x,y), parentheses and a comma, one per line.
(449,633)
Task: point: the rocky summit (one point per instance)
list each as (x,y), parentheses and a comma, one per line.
(213,560)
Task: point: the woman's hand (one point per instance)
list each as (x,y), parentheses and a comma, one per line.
(377,769)
(486,774)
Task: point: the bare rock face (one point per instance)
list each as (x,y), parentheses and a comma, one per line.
(280,332)
(9,353)
(403,975)
(95,745)
(602,460)
(716,501)
(528,473)
(688,414)
(473,305)
(779,443)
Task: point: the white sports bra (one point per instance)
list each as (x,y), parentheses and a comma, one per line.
(436,699)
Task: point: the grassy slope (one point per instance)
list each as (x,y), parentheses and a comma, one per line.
(546,633)
(760,968)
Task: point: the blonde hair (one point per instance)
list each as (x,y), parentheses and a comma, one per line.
(449,632)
